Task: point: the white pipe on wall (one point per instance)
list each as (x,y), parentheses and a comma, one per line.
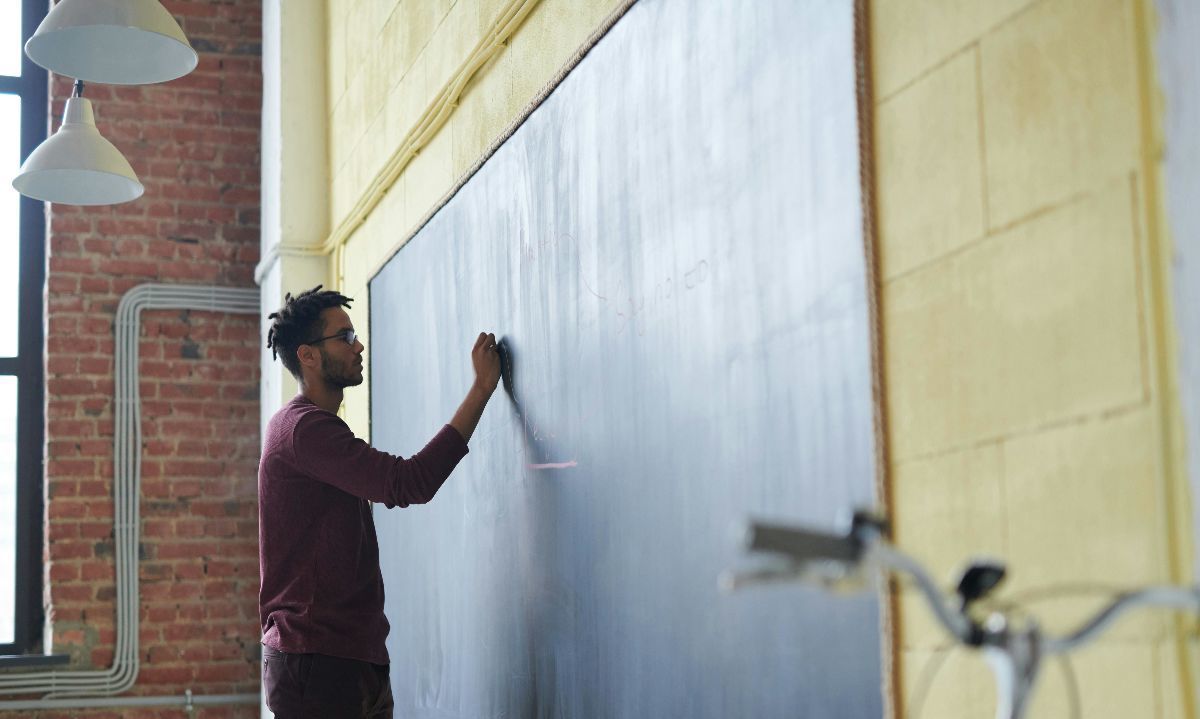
(187,701)
(61,686)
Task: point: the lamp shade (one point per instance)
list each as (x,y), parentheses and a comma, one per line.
(117,42)
(77,166)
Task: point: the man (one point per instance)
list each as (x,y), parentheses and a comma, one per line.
(321,592)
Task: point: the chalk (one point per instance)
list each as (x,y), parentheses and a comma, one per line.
(553,465)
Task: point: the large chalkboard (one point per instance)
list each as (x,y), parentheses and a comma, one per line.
(671,248)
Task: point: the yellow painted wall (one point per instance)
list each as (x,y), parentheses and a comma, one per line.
(1030,384)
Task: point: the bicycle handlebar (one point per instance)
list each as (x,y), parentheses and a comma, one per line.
(1015,652)
(864,548)
(1168,597)
(802,545)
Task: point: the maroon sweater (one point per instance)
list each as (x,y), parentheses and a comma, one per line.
(321,590)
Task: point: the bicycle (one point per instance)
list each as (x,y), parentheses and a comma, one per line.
(1014,650)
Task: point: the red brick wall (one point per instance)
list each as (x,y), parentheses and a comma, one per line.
(194,143)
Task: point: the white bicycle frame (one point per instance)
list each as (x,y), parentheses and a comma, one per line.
(1014,653)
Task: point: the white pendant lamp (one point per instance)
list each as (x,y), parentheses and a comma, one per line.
(116,42)
(77,166)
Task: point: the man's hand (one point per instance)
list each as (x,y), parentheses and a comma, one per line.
(486,359)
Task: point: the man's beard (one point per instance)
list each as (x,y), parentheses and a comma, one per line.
(339,375)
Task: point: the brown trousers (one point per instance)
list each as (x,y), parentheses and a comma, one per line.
(299,686)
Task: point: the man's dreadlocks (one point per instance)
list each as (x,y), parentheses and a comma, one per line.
(299,321)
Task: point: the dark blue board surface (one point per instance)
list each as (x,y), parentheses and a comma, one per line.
(671,247)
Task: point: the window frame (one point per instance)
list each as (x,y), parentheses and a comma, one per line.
(33,88)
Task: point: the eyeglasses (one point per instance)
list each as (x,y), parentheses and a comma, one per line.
(348,336)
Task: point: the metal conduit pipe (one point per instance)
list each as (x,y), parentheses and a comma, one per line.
(187,701)
(60,686)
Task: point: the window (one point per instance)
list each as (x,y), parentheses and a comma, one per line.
(23,104)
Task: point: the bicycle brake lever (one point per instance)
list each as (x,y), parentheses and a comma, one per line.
(979,579)
(733,581)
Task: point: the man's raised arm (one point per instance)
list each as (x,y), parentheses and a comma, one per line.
(486,360)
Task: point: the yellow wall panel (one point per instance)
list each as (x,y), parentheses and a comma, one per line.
(908,37)
(406,101)
(377,83)
(487,11)
(341,197)
(995,340)
(1115,681)
(929,172)
(1084,509)
(417,22)
(481,115)
(372,154)
(391,216)
(1037,340)
(361,37)
(382,40)
(427,180)
(549,38)
(396,49)
(452,42)
(947,510)
(346,127)
(1061,108)
(335,49)
(1173,699)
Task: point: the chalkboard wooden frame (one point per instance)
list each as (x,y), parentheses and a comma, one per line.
(543,446)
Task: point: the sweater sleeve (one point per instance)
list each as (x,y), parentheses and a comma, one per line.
(326,450)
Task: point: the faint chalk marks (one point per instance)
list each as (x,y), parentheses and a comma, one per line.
(664,291)
(635,311)
(696,276)
(589,289)
(532,248)
(635,306)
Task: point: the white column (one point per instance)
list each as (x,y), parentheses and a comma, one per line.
(295,168)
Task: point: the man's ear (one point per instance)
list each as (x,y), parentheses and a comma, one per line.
(307,356)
